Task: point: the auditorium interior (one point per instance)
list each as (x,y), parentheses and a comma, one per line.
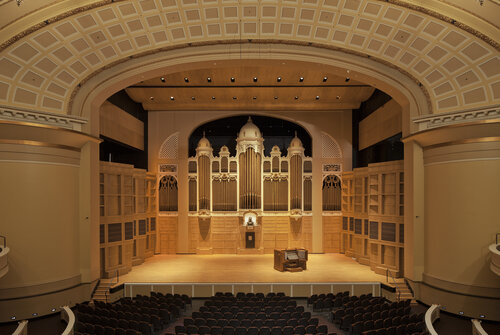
(213,152)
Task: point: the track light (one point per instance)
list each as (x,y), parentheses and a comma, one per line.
(193,98)
(186,79)
(254,79)
(172,98)
(275,98)
(278,79)
(317,97)
(233,79)
(209,79)
(234,98)
(152,98)
(301,79)
(325,78)
(162,79)
(213,98)
(347,79)
(296,98)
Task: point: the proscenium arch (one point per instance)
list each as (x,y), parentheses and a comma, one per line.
(98,88)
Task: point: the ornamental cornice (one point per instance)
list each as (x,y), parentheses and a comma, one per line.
(445,119)
(45,118)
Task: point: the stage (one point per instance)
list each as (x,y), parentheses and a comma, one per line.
(321,268)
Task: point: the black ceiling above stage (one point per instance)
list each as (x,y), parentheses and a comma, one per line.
(275,132)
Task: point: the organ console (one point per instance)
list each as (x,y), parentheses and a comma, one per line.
(293,260)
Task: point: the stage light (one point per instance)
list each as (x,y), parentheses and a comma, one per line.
(151,98)
(162,79)
(172,98)
(53,310)
(186,79)
(209,79)
(461,313)
(317,97)
(337,97)
(347,79)
(234,98)
(275,98)
(213,98)
(12,317)
(35,314)
(296,98)
(254,79)
(233,79)
(482,316)
(301,79)
(193,98)
(255,98)
(278,79)
(325,79)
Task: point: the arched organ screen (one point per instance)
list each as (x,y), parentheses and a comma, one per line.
(331,193)
(192,194)
(250,179)
(296,182)
(204,183)
(308,194)
(167,193)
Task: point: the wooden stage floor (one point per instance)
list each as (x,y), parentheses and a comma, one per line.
(324,268)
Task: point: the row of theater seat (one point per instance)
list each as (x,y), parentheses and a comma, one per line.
(228,330)
(247,323)
(142,314)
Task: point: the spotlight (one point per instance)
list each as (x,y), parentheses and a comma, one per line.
(255,98)
(53,310)
(301,79)
(213,98)
(234,98)
(296,98)
(186,79)
(278,79)
(317,97)
(347,79)
(254,79)
(162,79)
(482,316)
(325,79)
(12,317)
(461,313)
(193,98)
(35,314)
(275,98)
(151,98)
(209,79)
(338,97)
(172,98)
(233,79)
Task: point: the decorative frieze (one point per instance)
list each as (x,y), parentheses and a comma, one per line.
(445,119)
(57,120)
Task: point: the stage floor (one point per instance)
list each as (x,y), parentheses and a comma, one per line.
(321,268)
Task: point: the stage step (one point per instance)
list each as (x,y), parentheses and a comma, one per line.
(101,291)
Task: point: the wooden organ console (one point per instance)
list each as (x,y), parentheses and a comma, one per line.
(293,260)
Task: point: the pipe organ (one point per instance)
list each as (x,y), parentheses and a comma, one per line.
(250,181)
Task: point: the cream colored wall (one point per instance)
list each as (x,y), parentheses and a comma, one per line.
(462,189)
(163,124)
(40,217)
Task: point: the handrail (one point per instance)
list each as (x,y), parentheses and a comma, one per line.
(117,281)
(477,329)
(68,316)
(398,291)
(431,316)
(5,240)
(22,328)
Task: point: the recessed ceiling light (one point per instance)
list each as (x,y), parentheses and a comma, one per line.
(347,79)
(186,79)
(151,98)
(482,316)
(461,313)
(162,79)
(35,314)
(275,98)
(296,98)
(233,79)
(325,78)
(12,317)
(53,310)
(213,98)
(255,98)
(278,79)
(193,98)
(172,98)
(317,97)
(254,79)
(301,79)
(234,98)
(209,79)
(338,97)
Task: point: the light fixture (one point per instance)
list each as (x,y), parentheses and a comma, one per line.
(347,79)
(338,97)
(193,98)
(53,310)
(296,98)
(151,98)
(19,2)
(317,97)
(254,79)
(234,98)
(186,79)
(461,313)
(255,98)
(278,79)
(213,98)
(325,78)
(275,98)
(301,79)
(233,79)
(12,317)
(162,79)
(172,98)
(482,316)
(209,79)
(35,314)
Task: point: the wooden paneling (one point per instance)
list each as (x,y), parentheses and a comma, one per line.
(331,233)
(225,234)
(379,125)
(275,233)
(167,228)
(121,126)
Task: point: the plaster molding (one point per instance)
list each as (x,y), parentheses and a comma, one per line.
(58,120)
(445,119)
